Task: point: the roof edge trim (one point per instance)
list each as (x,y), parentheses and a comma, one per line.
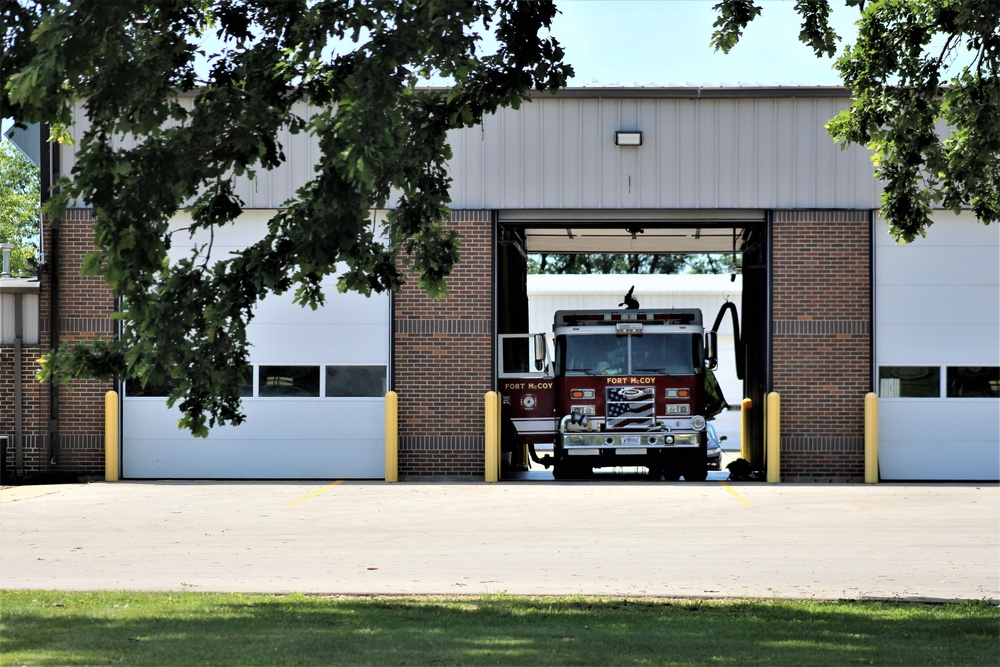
(697,92)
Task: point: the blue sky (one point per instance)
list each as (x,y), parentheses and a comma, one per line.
(665,42)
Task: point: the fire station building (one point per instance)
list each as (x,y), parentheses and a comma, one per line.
(832,308)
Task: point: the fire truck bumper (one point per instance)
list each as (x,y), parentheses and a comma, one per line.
(584,444)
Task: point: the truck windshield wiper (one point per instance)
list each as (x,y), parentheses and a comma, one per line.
(585,371)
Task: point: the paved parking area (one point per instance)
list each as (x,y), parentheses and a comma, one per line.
(538,473)
(620,537)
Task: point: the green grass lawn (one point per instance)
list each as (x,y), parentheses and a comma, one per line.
(187,629)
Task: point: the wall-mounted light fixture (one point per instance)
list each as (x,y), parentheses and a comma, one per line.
(628,138)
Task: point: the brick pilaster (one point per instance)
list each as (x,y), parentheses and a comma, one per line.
(443,361)
(85,304)
(821,339)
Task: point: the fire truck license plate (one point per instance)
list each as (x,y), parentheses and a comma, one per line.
(630,440)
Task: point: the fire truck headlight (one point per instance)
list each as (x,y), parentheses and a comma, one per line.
(698,423)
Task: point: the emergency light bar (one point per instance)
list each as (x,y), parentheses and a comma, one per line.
(592,318)
(628,327)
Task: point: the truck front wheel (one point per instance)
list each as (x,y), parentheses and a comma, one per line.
(671,472)
(696,472)
(568,469)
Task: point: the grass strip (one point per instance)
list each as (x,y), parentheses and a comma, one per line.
(50,628)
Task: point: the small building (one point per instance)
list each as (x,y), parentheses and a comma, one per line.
(831,308)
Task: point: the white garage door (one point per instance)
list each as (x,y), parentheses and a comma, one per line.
(314,399)
(937,337)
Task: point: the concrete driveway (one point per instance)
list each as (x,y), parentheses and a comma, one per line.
(618,538)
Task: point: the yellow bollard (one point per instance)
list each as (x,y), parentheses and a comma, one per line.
(871,438)
(773,439)
(745,406)
(491,471)
(391,436)
(111,436)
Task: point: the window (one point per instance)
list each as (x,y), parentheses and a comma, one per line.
(247,389)
(973,382)
(604,354)
(925,381)
(664,353)
(592,354)
(909,382)
(162,388)
(153,388)
(288,381)
(522,354)
(515,355)
(355,381)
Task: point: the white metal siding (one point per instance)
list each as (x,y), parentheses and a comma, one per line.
(937,303)
(269,189)
(29,319)
(559,152)
(745,153)
(548,293)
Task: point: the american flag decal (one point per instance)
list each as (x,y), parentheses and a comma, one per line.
(631,407)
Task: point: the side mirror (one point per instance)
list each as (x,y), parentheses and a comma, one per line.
(711,350)
(540,352)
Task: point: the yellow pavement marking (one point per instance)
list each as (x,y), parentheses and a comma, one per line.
(314,493)
(738,497)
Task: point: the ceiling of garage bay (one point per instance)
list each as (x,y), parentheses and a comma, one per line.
(562,232)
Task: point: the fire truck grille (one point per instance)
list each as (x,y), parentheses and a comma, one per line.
(631,407)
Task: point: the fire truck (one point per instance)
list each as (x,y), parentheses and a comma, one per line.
(625,388)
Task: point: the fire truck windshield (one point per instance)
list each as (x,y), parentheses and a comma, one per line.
(603,354)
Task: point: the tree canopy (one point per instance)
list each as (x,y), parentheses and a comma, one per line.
(632,263)
(358,64)
(925,80)
(19,207)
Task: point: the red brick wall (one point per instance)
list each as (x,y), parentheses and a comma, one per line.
(85,304)
(443,353)
(34,407)
(821,340)
(443,361)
